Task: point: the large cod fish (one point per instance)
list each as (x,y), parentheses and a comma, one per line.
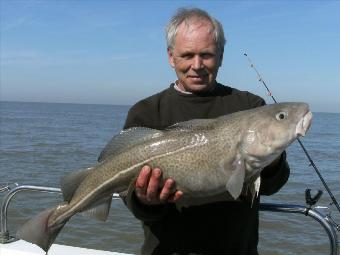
(205,157)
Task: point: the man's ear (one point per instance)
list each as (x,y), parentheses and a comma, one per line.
(171,58)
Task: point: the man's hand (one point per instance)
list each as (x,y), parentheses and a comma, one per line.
(152,190)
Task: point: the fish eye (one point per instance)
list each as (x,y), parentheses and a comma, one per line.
(281,116)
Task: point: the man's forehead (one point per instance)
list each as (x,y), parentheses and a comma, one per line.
(198,33)
(195,23)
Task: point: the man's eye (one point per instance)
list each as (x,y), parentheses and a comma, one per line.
(207,55)
(187,56)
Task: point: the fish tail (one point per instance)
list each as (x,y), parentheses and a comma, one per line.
(38,231)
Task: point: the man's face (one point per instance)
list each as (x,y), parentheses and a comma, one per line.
(195,57)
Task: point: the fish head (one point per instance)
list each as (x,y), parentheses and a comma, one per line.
(272,128)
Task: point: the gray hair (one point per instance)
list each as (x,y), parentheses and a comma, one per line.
(186,15)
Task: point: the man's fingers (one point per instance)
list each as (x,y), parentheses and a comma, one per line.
(150,189)
(153,186)
(169,193)
(175,197)
(167,190)
(143,181)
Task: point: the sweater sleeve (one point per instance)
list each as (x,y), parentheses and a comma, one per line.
(274,177)
(145,113)
(146,213)
(139,116)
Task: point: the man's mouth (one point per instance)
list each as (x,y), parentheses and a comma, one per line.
(196,78)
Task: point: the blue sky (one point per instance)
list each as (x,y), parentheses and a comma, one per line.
(114,52)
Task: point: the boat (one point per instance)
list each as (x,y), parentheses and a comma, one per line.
(10,245)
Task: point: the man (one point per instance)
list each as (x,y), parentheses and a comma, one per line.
(195,43)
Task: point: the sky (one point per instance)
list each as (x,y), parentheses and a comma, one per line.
(114,52)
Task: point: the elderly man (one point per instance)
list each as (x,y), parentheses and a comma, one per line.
(195,43)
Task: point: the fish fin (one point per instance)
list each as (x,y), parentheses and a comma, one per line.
(38,232)
(126,139)
(100,210)
(235,183)
(71,182)
(195,124)
(131,188)
(255,189)
(257,185)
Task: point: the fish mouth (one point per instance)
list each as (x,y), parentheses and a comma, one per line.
(304,124)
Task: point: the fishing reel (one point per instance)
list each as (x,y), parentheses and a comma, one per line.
(311,200)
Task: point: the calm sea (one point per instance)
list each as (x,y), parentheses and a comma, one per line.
(42,142)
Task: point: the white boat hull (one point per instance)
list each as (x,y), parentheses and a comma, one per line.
(21,247)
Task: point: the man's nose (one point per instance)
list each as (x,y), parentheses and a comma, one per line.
(197,63)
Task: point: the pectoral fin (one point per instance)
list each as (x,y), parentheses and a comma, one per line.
(235,183)
(256,189)
(257,185)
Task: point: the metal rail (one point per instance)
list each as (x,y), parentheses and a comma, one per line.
(286,208)
(4,233)
(314,214)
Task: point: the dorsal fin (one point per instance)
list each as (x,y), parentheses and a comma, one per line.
(195,124)
(127,138)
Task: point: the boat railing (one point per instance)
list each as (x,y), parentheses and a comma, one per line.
(315,213)
(326,221)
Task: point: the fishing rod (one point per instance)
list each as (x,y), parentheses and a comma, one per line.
(301,144)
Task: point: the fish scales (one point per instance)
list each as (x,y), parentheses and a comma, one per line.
(119,171)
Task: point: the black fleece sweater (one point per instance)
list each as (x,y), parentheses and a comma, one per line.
(229,227)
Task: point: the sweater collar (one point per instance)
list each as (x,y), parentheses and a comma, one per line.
(206,93)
